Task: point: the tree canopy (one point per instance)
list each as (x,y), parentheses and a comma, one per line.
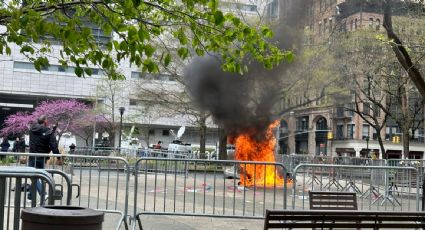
(66,114)
(146,33)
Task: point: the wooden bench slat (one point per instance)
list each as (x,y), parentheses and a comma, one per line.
(347,218)
(343,219)
(344,225)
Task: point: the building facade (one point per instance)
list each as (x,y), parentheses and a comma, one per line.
(332,129)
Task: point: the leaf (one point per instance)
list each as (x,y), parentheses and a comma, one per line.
(267,32)
(149,50)
(167,60)
(27,49)
(88,71)
(105,63)
(218,18)
(78,71)
(289,56)
(150,65)
(183,53)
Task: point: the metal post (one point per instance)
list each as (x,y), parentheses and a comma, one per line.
(423,192)
(367,146)
(122,109)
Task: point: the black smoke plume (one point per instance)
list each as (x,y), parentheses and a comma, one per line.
(244,103)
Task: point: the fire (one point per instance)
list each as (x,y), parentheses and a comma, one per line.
(250,149)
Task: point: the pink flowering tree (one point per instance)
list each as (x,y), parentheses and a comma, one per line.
(16,124)
(64,113)
(67,114)
(84,125)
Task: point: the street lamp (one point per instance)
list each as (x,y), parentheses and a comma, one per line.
(122,109)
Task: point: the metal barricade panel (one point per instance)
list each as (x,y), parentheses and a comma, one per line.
(205,188)
(377,187)
(98,182)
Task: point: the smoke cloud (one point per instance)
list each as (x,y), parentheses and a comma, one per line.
(244,103)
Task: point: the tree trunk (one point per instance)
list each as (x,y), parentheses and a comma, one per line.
(202,136)
(222,147)
(381,145)
(406,142)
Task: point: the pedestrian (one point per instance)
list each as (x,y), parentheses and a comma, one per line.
(4,147)
(72,148)
(42,140)
(15,145)
(21,145)
(158,146)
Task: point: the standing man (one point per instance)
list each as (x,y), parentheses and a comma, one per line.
(42,140)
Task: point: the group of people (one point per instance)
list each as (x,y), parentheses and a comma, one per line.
(18,145)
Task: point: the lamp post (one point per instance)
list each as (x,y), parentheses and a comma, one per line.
(367,146)
(122,109)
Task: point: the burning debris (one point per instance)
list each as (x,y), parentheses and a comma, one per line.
(251,149)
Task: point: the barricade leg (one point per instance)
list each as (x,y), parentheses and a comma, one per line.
(2,200)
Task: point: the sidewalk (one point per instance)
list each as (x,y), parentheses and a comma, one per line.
(204,223)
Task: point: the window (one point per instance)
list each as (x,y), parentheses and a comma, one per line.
(339,132)
(151,132)
(165,132)
(378,24)
(421,135)
(133,102)
(350,111)
(272,9)
(355,24)
(340,112)
(374,134)
(365,131)
(23,65)
(321,124)
(52,68)
(62,69)
(371,23)
(302,124)
(366,108)
(376,111)
(350,131)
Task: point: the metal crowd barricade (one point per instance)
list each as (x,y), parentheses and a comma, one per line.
(419,164)
(206,190)
(100,182)
(351,161)
(378,187)
(20,174)
(292,161)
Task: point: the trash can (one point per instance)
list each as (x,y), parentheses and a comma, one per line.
(61,218)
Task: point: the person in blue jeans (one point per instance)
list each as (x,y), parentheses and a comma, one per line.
(42,140)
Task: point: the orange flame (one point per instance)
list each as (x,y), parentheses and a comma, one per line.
(250,149)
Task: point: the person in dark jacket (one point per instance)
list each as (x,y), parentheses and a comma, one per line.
(42,140)
(4,147)
(21,145)
(15,145)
